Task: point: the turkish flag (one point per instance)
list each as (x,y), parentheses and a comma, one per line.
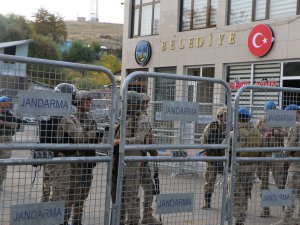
(260,40)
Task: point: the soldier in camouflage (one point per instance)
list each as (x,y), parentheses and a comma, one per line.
(248,137)
(293,179)
(8,126)
(147,182)
(82,173)
(214,133)
(136,132)
(272,137)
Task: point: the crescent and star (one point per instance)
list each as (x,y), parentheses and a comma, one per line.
(254,40)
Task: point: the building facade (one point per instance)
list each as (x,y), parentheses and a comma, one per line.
(210,38)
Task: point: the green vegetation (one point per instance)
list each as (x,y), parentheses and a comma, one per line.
(47,32)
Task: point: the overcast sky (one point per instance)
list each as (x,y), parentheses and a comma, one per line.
(109,10)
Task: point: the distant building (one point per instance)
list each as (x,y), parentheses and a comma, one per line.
(81,19)
(65,46)
(13,75)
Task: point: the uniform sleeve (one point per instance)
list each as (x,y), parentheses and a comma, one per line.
(142,129)
(73,130)
(205,135)
(293,137)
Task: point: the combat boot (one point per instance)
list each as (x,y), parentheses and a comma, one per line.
(148,218)
(286,220)
(265,212)
(207,199)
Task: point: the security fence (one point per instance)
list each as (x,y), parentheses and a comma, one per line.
(56,145)
(265,156)
(184,120)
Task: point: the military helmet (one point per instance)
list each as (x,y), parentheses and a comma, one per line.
(269,105)
(66,88)
(80,97)
(244,112)
(292,107)
(4,99)
(133,98)
(221,111)
(144,97)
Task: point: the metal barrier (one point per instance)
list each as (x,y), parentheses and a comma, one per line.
(266,156)
(54,175)
(180,108)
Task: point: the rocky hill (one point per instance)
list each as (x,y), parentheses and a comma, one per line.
(108,34)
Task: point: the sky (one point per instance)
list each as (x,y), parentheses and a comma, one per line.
(111,11)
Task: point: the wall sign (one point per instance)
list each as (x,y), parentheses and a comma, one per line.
(143,52)
(260,40)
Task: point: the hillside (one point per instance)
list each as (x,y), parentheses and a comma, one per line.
(108,34)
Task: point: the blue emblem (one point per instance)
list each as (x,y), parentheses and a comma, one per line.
(143,52)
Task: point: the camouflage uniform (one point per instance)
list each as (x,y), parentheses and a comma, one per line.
(81,173)
(293,179)
(136,132)
(214,133)
(248,136)
(7,130)
(276,139)
(147,182)
(68,131)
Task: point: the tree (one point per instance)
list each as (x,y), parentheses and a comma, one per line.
(111,62)
(79,52)
(13,28)
(43,47)
(51,25)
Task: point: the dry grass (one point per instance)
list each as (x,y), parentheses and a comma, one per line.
(108,34)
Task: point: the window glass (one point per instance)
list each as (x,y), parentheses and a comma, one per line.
(291,69)
(156,21)
(213,12)
(136,22)
(279,8)
(186,15)
(146,1)
(260,10)
(197,14)
(146,20)
(200,14)
(137,2)
(240,11)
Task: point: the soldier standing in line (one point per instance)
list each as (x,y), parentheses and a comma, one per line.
(293,179)
(82,173)
(272,137)
(214,133)
(147,182)
(136,132)
(8,126)
(248,137)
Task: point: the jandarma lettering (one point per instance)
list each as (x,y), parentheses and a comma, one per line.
(175,202)
(177,110)
(37,214)
(280,118)
(44,103)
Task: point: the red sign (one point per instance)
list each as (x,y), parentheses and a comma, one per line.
(267,83)
(260,40)
(237,85)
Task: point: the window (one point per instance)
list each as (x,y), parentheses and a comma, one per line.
(241,11)
(197,14)
(146,17)
(10,50)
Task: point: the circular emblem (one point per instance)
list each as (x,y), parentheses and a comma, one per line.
(260,40)
(143,52)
